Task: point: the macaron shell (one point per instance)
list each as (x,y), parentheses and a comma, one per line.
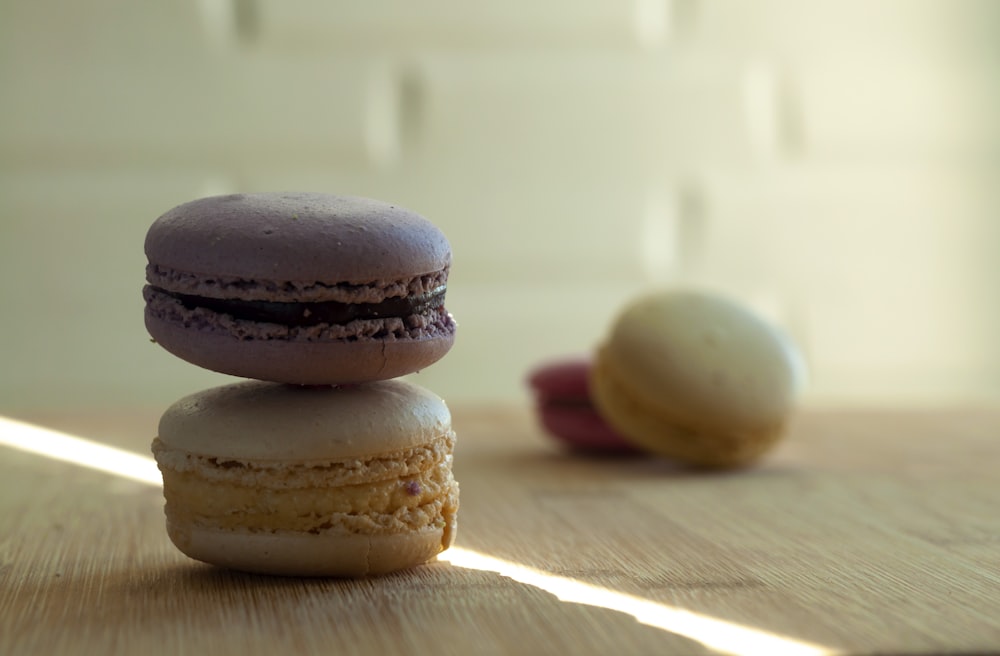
(289,554)
(332,362)
(565,378)
(582,428)
(269,421)
(296,236)
(705,361)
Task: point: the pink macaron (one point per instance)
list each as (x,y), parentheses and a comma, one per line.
(562,401)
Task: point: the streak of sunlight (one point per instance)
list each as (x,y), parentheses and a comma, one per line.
(716,634)
(79,451)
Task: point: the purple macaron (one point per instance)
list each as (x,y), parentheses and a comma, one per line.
(562,402)
(303,288)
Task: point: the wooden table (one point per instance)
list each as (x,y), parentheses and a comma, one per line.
(865,532)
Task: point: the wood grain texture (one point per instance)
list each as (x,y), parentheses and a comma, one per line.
(866,532)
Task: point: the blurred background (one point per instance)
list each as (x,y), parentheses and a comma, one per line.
(833,163)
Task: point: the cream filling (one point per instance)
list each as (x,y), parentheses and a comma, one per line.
(403,491)
(425,500)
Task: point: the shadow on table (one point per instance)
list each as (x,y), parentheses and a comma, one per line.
(436,608)
(554,466)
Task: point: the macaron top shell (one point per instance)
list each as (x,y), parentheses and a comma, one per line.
(705,361)
(257,420)
(561,379)
(296,236)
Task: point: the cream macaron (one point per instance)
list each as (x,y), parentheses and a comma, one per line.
(697,378)
(278,479)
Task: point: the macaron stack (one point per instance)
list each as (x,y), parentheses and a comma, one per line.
(328,463)
(691,376)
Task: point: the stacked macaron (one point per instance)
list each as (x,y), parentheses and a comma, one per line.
(691,376)
(327,463)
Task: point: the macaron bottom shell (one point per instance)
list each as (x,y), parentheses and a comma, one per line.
(291,554)
(582,429)
(300,362)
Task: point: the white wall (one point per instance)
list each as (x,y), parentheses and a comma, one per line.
(835,163)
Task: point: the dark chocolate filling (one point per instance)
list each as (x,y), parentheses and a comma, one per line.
(312,314)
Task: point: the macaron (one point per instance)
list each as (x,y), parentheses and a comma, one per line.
(309,481)
(302,288)
(697,378)
(564,408)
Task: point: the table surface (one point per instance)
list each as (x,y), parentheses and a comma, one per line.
(864,532)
